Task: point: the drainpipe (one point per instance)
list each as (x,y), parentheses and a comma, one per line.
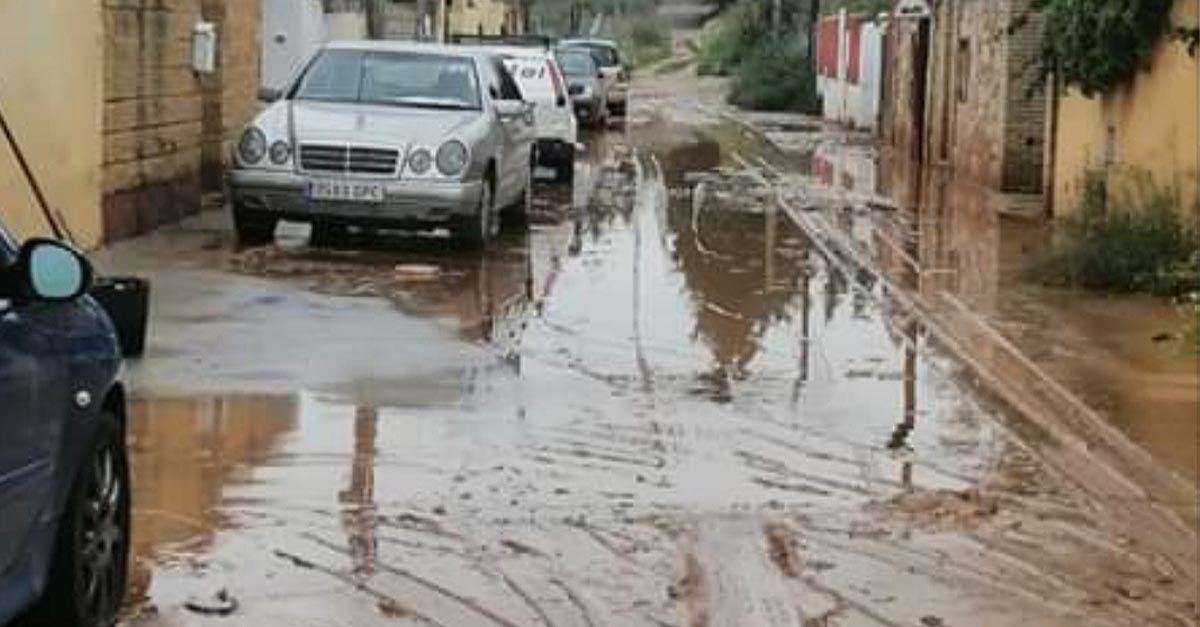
(1052,145)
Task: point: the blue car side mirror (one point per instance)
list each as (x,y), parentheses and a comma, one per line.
(52,271)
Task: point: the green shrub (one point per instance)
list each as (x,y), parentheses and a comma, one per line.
(1133,245)
(775,77)
(732,37)
(647,41)
(1192,331)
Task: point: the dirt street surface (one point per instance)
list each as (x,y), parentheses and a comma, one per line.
(663,406)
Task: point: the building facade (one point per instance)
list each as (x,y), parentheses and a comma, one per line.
(1147,130)
(168,128)
(963,93)
(51,90)
(118,126)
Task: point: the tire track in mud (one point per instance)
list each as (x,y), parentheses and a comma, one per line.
(429,585)
(731,574)
(387,604)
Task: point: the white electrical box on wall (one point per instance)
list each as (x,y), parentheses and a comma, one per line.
(204,48)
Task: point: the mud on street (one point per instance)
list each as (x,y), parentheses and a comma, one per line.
(662,406)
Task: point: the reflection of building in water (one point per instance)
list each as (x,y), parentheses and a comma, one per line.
(182,455)
(724,258)
(358,500)
(967,243)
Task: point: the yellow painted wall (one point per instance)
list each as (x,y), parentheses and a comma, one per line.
(51,68)
(1155,121)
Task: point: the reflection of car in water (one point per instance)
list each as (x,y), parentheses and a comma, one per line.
(487,296)
(64,483)
(388,135)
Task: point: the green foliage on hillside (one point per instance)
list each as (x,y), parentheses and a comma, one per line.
(767,58)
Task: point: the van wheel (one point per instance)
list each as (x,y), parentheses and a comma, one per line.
(253,228)
(86,583)
(475,231)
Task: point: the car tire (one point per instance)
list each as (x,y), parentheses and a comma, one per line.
(328,235)
(516,215)
(253,228)
(564,170)
(87,578)
(475,232)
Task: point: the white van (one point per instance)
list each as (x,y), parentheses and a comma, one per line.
(542,82)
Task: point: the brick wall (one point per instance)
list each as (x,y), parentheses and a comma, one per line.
(984,118)
(976,89)
(167,130)
(1025,117)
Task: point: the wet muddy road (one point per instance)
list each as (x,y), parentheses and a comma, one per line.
(662,406)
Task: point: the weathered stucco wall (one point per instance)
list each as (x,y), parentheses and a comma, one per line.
(1149,126)
(167,129)
(984,119)
(50,86)
(491,17)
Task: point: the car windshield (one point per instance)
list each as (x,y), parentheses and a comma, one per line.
(577,63)
(391,78)
(605,54)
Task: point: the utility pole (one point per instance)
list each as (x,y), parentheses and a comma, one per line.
(814,18)
(374,19)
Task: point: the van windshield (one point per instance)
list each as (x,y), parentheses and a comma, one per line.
(577,63)
(391,78)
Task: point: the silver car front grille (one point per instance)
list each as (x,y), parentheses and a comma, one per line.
(349,159)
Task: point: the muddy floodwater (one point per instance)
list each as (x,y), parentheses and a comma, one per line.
(662,406)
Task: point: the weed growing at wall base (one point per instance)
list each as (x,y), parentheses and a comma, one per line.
(1139,243)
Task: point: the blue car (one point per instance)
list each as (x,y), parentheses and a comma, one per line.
(64,478)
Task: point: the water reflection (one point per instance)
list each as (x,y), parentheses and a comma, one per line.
(359,515)
(977,246)
(183,454)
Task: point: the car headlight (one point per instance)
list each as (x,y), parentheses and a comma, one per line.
(452,158)
(280,152)
(253,146)
(420,161)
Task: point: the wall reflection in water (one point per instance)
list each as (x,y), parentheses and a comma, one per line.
(183,454)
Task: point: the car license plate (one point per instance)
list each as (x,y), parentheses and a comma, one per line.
(346,191)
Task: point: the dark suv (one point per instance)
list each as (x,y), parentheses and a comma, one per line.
(64,479)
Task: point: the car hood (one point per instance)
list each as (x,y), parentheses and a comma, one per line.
(582,81)
(350,123)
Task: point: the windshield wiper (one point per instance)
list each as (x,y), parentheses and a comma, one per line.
(430,103)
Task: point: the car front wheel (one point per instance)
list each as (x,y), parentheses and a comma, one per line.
(253,228)
(516,215)
(564,170)
(476,231)
(86,583)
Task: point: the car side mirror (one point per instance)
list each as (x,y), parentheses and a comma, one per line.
(510,109)
(561,101)
(270,94)
(48,270)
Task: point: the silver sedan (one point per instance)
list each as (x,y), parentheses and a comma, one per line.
(387,135)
